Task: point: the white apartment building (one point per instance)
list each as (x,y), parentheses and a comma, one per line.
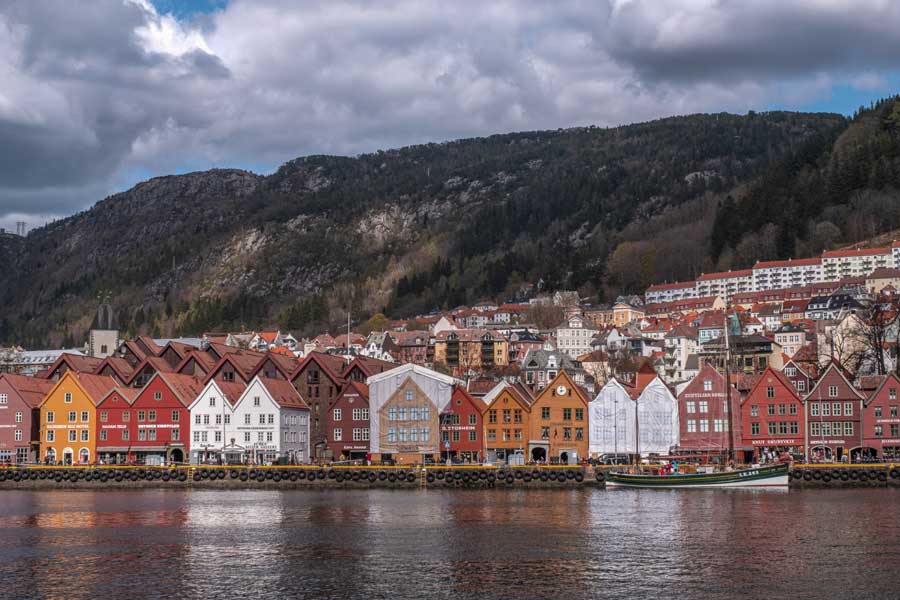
(667,292)
(574,336)
(838,264)
(780,274)
(725,284)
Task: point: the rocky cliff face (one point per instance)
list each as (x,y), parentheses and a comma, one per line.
(228,247)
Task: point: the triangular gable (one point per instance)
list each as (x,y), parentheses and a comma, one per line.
(562,378)
(322,363)
(837,368)
(128,394)
(780,377)
(890,376)
(400,391)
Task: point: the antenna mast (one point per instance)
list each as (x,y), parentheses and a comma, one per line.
(728,383)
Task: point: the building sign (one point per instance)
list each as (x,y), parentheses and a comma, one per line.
(457,428)
(778,442)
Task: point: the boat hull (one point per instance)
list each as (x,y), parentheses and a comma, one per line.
(776,476)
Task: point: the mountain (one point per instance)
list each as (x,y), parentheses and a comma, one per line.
(408,230)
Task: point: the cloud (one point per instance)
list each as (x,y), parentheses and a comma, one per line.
(96,92)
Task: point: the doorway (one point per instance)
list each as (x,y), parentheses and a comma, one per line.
(538,454)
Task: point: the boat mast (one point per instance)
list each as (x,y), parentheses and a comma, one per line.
(730,412)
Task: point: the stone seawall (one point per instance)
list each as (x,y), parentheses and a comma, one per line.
(436,477)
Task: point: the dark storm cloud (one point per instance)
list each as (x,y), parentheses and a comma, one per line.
(95,91)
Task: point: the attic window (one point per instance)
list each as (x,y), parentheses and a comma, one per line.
(157,395)
(68,398)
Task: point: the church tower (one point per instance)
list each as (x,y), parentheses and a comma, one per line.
(103,338)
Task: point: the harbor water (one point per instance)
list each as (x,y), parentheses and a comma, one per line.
(579,543)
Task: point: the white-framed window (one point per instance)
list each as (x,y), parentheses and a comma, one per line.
(50,416)
(73,435)
(19,416)
(262,419)
(271,418)
(204,436)
(175,435)
(4,399)
(704,425)
(691,425)
(175,416)
(707,385)
(268,436)
(255,400)
(247,419)
(338,434)
(703,406)
(212,401)
(218,419)
(151,416)
(84,435)
(848,409)
(142,435)
(73,416)
(246,436)
(68,398)
(218,436)
(227,419)
(832,391)
(691,406)
(157,396)
(18,435)
(51,435)
(336,414)
(197,419)
(151,435)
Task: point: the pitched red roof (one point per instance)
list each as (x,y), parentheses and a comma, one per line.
(185,387)
(150,344)
(232,390)
(120,367)
(678,285)
(76,362)
(369,366)
(283,393)
(725,274)
(791,262)
(855,252)
(96,386)
(31,389)
(331,364)
(128,394)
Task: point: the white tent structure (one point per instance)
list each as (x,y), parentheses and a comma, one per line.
(612,421)
(657,411)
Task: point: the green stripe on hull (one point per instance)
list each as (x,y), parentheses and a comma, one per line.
(700,479)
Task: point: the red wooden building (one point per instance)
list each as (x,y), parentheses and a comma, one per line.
(20,401)
(461,427)
(154,422)
(113,422)
(881,421)
(703,414)
(799,376)
(834,409)
(348,423)
(772,418)
(318,379)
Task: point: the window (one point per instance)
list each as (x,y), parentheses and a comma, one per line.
(492,435)
(73,435)
(262,419)
(68,398)
(126,435)
(157,395)
(142,416)
(814,429)
(826,428)
(567,433)
(545,412)
(151,434)
(801,385)
(895,430)
(175,435)
(782,427)
(770,392)
(691,426)
(848,409)
(795,427)
(473,419)
(703,406)
(255,400)
(268,436)
(4,399)
(456,435)
(567,414)
(826,409)
(50,417)
(18,435)
(197,419)
(473,436)
(227,419)
(103,416)
(836,409)
(704,425)
(51,435)
(271,418)
(832,391)
(517,415)
(175,416)
(545,433)
(754,410)
(848,427)
(408,396)
(893,412)
(771,410)
(814,409)
(73,416)
(18,416)
(247,419)
(151,416)
(782,409)
(707,385)
(246,436)
(338,434)
(772,429)
(790,371)
(492,416)
(336,414)
(793,409)
(142,435)
(878,412)
(878,431)
(892,393)
(691,406)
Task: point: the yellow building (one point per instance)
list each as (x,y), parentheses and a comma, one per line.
(68,418)
(624,313)
(471,349)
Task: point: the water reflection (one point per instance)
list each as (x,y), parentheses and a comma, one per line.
(451,544)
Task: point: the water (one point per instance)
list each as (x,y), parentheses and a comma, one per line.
(683,544)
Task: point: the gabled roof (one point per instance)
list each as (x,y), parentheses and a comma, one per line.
(204,361)
(230,390)
(76,363)
(836,367)
(520,396)
(459,393)
(332,366)
(185,387)
(128,394)
(157,363)
(778,375)
(135,349)
(285,365)
(120,366)
(181,349)
(282,393)
(369,366)
(95,386)
(855,252)
(32,390)
(244,363)
(563,378)
(889,377)
(149,344)
(791,262)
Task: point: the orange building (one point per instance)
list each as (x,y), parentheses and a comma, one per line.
(559,422)
(507,422)
(68,418)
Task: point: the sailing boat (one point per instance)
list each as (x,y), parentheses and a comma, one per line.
(762,476)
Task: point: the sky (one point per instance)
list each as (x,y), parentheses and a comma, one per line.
(97,96)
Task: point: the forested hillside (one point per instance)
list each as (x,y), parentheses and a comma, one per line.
(423,227)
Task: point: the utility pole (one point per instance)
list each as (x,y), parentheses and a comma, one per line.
(730,420)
